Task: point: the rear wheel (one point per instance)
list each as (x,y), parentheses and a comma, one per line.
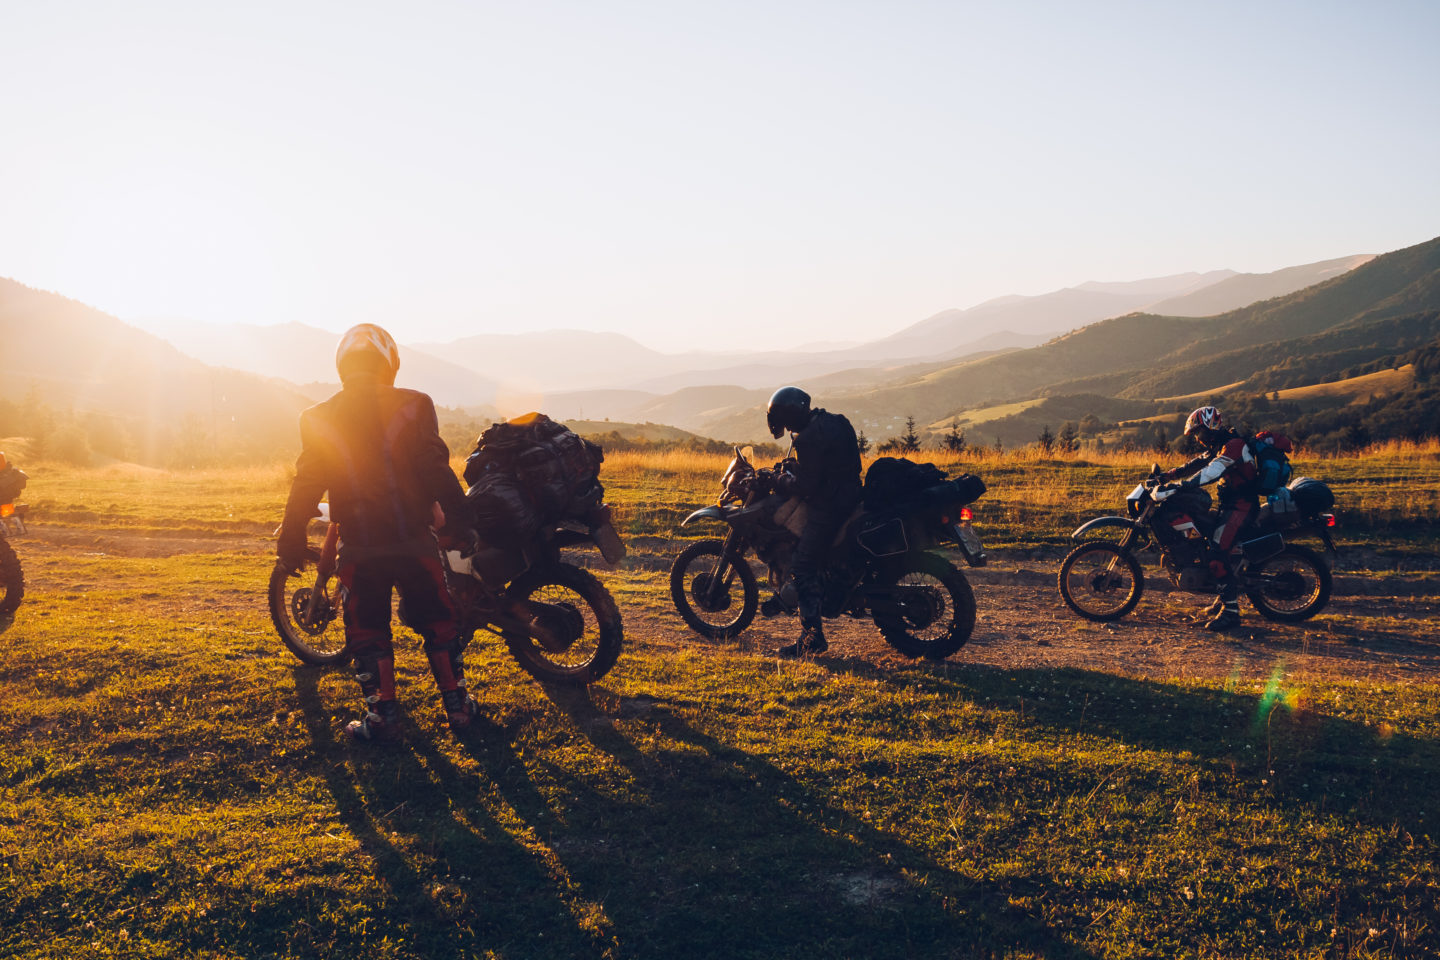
(702,585)
(1291,586)
(575,630)
(12,580)
(927,608)
(1100,581)
(314,632)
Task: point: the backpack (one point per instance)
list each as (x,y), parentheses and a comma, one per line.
(1272,461)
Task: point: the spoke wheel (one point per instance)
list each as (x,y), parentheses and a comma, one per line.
(317,638)
(575,632)
(929,609)
(1291,586)
(715,594)
(1100,581)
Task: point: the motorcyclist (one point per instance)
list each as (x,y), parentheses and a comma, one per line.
(377,449)
(826,476)
(1225,457)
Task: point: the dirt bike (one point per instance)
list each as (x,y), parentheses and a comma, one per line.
(880,566)
(12,522)
(1102,580)
(557,619)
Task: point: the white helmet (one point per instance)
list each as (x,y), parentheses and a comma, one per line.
(366,347)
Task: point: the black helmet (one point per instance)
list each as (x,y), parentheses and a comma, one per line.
(789,409)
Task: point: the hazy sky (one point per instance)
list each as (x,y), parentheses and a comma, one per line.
(719,174)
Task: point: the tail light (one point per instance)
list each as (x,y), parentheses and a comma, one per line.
(7,510)
(1329,519)
(966,515)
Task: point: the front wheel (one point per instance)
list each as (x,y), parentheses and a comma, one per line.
(1291,586)
(1100,581)
(12,580)
(308,617)
(927,609)
(702,579)
(575,630)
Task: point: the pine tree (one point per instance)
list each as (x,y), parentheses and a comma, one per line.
(1046,439)
(909,442)
(1068,440)
(955,439)
(862,443)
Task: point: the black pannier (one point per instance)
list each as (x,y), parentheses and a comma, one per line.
(895,480)
(883,536)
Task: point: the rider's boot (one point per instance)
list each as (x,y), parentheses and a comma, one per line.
(1227,619)
(382,715)
(448,666)
(1228,616)
(811,642)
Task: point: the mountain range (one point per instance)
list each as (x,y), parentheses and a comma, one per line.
(997,366)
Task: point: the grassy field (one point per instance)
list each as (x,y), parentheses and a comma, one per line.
(172,783)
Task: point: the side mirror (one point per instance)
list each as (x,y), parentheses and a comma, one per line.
(747,453)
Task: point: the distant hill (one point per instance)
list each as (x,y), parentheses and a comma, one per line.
(127,394)
(303,354)
(1375,308)
(1044,315)
(1243,289)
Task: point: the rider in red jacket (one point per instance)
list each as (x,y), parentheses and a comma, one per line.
(1226,458)
(377,450)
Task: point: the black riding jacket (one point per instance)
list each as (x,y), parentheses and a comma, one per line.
(378,450)
(827,474)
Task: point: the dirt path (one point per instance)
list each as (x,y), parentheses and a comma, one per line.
(1379,626)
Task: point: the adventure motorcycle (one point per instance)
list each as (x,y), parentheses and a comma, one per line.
(558,620)
(12,521)
(1102,580)
(880,565)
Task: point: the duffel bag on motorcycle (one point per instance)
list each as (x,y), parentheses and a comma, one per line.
(557,469)
(891,481)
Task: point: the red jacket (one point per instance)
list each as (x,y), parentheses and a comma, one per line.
(1231,463)
(377,450)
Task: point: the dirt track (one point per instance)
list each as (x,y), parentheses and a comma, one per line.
(1377,627)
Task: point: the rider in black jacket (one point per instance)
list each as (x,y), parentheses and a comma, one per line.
(377,450)
(827,477)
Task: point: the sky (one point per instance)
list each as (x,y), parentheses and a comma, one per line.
(695,175)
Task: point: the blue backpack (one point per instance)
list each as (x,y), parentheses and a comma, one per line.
(1272,461)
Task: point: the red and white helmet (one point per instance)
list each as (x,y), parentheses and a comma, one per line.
(366,347)
(1203,423)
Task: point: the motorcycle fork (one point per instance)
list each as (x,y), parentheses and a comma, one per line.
(718,583)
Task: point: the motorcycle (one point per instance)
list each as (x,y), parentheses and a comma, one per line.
(557,619)
(12,522)
(880,566)
(1102,580)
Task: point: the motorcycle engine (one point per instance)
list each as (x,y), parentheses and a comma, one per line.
(1185,563)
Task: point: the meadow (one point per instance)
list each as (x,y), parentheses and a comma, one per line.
(173,783)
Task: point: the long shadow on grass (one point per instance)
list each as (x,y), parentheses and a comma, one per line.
(452,881)
(725,855)
(1275,740)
